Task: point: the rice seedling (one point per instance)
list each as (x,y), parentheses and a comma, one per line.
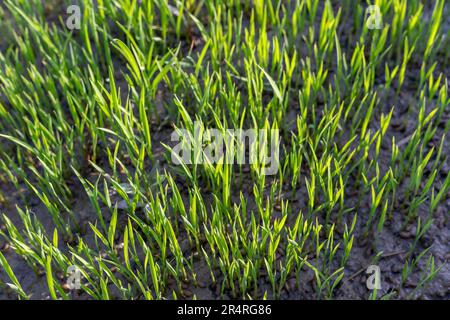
(93,178)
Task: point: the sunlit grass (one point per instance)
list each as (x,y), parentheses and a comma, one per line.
(80,111)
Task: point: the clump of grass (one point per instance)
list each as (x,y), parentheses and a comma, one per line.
(88,110)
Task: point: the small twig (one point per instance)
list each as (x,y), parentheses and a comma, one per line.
(387,255)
